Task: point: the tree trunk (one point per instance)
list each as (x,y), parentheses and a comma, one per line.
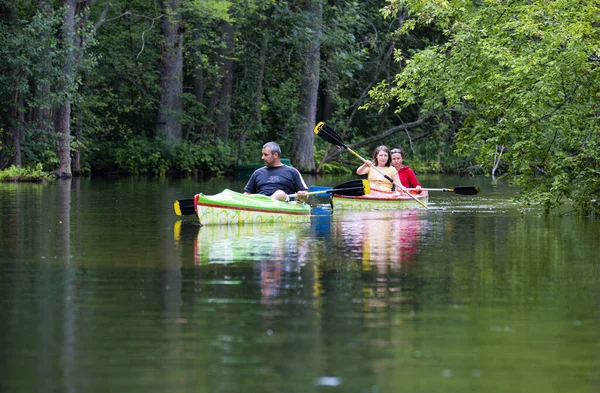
(222,130)
(256,119)
(77,153)
(74,43)
(303,144)
(327,93)
(18,122)
(41,113)
(62,125)
(171,73)
(198,73)
(62,115)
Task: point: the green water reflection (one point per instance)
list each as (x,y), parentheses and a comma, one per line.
(104,289)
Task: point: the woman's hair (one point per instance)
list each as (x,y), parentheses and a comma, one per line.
(394,151)
(385,149)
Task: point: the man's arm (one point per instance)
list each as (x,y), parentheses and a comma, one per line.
(250,187)
(301,188)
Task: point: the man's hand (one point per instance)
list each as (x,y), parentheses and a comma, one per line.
(302,196)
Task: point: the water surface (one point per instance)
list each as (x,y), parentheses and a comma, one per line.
(103,288)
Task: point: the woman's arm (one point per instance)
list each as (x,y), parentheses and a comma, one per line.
(364,168)
(414,183)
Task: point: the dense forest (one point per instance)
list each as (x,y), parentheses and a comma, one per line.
(509,89)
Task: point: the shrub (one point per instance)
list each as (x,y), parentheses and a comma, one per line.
(203,156)
(15,173)
(143,156)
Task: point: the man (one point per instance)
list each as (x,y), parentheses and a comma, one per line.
(275,179)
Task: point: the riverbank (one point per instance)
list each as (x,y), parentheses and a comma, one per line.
(24,174)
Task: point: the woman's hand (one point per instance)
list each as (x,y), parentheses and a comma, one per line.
(364,168)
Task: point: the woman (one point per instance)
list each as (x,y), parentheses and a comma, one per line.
(406,175)
(383,160)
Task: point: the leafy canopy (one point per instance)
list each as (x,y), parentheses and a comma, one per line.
(523,76)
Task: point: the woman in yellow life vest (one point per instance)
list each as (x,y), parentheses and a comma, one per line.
(383,159)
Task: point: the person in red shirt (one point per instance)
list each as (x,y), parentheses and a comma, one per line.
(406,175)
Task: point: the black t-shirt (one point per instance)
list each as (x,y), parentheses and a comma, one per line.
(267,180)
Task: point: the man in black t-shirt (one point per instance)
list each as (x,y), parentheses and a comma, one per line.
(276,179)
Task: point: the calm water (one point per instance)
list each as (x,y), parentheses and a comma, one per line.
(104,289)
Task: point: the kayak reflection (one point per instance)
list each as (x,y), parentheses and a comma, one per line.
(384,239)
(275,253)
(249,243)
(387,244)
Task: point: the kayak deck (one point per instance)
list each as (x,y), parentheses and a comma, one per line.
(230,207)
(379,200)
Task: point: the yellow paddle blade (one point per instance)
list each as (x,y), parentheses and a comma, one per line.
(318,127)
(177,208)
(367,186)
(177,230)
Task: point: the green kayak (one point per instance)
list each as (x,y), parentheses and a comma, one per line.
(230,207)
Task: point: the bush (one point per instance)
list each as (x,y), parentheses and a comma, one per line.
(15,173)
(143,156)
(203,156)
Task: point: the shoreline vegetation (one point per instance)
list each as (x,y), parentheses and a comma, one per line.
(26,174)
(179,88)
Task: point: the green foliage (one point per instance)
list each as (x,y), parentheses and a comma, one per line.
(522,77)
(152,156)
(14,173)
(116,92)
(203,156)
(40,148)
(426,167)
(332,167)
(143,156)
(217,9)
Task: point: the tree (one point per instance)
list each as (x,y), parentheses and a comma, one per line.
(171,72)
(75,35)
(522,78)
(302,147)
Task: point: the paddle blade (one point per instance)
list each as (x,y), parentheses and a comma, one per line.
(314,189)
(465,190)
(357,183)
(184,207)
(351,188)
(328,134)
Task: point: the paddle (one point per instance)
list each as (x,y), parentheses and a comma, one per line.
(328,134)
(461,190)
(185,207)
(357,187)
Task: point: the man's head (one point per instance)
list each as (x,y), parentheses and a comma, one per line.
(271,154)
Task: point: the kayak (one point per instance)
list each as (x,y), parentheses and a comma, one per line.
(230,207)
(379,200)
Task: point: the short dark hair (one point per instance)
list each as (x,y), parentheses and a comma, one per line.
(274,147)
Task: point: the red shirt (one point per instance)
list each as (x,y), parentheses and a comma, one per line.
(407,177)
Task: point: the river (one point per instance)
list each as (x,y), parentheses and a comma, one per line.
(104,289)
